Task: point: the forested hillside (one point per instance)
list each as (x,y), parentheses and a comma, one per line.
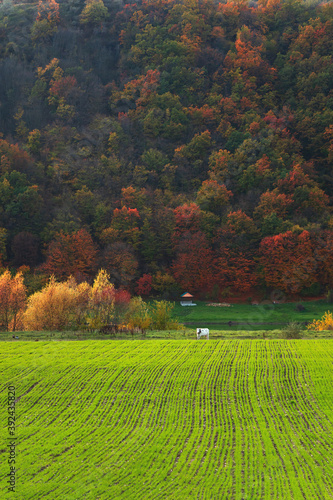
(180,145)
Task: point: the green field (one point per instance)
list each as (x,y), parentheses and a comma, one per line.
(171,419)
(248,317)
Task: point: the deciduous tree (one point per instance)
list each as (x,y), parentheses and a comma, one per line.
(288,261)
(193,267)
(12,299)
(71,254)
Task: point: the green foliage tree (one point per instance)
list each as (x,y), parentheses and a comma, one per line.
(94,13)
(161,315)
(138,315)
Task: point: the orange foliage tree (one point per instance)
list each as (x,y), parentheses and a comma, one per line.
(273,202)
(71,254)
(47,20)
(12,299)
(248,56)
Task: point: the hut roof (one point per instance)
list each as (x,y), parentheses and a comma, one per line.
(187,295)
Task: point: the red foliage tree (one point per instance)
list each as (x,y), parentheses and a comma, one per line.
(235,271)
(144,285)
(187,218)
(121,301)
(193,267)
(63,86)
(306,194)
(13,158)
(288,261)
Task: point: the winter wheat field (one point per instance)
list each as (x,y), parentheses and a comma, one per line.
(176,419)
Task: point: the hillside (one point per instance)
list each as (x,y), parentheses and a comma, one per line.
(180,145)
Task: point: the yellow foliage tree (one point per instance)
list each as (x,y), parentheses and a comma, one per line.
(54,307)
(325,323)
(18,297)
(101,301)
(68,305)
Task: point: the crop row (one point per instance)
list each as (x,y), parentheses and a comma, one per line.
(176,419)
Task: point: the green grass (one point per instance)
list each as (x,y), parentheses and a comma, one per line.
(252,317)
(186,333)
(176,419)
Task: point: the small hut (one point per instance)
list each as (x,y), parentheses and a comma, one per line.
(186,299)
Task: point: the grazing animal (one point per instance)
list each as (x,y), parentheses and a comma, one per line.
(202,332)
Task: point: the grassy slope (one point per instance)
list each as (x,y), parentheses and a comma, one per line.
(252,315)
(175,419)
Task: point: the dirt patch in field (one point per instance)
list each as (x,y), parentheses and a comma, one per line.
(219,304)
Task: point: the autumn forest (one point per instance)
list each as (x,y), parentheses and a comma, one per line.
(178,145)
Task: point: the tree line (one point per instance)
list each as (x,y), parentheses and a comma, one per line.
(177,145)
(69,305)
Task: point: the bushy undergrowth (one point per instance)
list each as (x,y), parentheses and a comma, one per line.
(292,331)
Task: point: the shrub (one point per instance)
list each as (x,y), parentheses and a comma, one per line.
(292,331)
(325,323)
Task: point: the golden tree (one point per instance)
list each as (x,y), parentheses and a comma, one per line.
(53,308)
(101,302)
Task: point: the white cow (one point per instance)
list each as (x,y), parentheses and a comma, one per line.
(202,332)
